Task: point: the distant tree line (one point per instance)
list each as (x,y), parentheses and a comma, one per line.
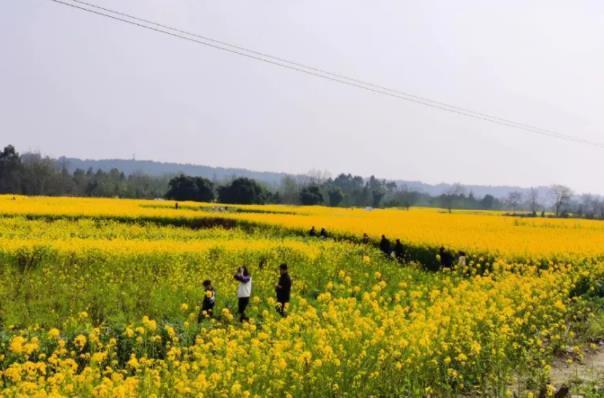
(343,191)
(347,190)
(32,174)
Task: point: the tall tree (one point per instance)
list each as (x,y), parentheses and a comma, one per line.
(38,175)
(533,201)
(454,193)
(10,168)
(408,198)
(242,191)
(205,189)
(335,196)
(290,191)
(311,195)
(181,188)
(513,200)
(488,202)
(190,188)
(377,189)
(561,196)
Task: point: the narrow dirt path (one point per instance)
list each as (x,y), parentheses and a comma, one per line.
(588,371)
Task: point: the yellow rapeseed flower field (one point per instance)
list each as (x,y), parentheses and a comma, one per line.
(101,298)
(475,231)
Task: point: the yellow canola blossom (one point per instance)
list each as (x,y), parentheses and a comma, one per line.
(467,333)
(102,298)
(161,246)
(479,232)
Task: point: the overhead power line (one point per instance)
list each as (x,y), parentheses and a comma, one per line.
(314,71)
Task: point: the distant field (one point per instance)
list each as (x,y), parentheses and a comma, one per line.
(100,297)
(473,231)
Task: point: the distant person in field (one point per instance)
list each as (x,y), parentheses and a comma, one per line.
(176,205)
(312,232)
(461,261)
(446,259)
(365,239)
(323,233)
(244,291)
(399,250)
(283,289)
(385,245)
(209,301)
(441,255)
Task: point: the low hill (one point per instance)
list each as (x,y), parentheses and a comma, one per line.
(273,179)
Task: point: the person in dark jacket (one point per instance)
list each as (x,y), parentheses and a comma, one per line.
(365,239)
(283,289)
(385,245)
(209,301)
(312,232)
(399,250)
(323,233)
(446,259)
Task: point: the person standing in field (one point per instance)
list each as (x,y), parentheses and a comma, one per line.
(323,233)
(399,250)
(461,261)
(244,291)
(365,238)
(446,259)
(312,232)
(283,289)
(385,245)
(209,301)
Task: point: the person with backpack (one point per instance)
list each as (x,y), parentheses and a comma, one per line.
(385,245)
(283,289)
(244,291)
(399,250)
(209,301)
(446,259)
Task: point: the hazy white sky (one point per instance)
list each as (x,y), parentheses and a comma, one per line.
(80,85)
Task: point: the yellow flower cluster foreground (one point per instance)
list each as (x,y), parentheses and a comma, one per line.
(403,340)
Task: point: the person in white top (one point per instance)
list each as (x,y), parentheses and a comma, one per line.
(462,259)
(244,291)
